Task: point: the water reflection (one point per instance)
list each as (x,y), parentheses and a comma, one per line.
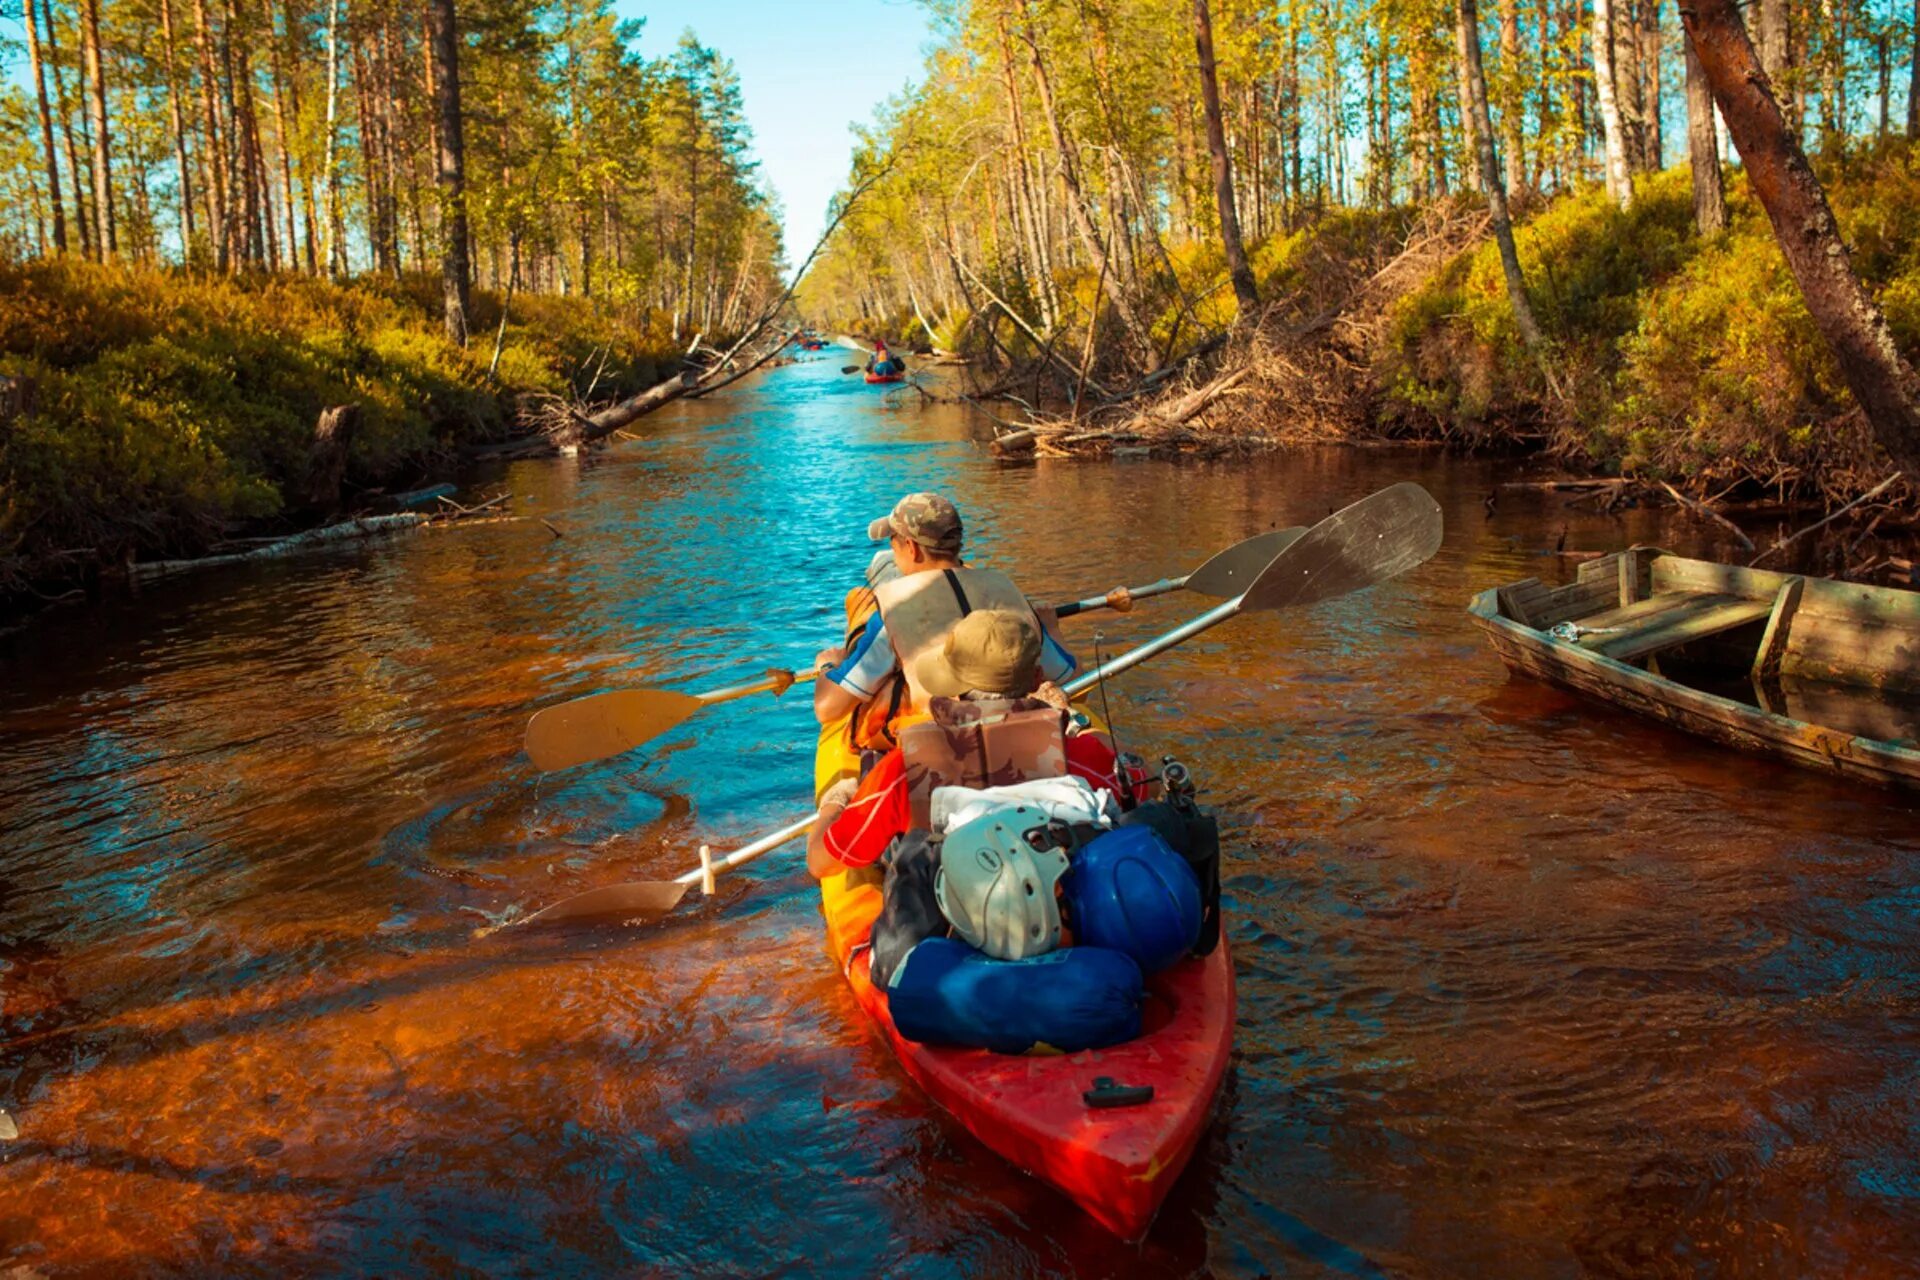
(1528,987)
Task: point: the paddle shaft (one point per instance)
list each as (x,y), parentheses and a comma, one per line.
(1113,599)
(777,682)
(747,853)
(1159,644)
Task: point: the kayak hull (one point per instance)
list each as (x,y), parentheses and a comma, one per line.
(886,377)
(1118,1164)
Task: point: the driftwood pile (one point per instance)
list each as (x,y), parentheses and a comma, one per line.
(1300,374)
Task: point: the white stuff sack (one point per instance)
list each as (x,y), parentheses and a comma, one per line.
(1068,799)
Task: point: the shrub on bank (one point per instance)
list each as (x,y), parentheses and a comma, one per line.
(1679,355)
(171,404)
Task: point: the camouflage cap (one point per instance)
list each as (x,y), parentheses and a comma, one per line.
(925,518)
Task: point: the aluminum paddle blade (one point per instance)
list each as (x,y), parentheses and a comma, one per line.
(1232,571)
(637,902)
(606,725)
(1378,537)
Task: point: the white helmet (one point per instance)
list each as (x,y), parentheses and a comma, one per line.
(996,882)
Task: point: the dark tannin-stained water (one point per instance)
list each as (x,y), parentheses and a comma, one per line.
(1527,987)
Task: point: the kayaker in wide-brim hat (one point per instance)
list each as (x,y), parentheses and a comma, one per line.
(990,654)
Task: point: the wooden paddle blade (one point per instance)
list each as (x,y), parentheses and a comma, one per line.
(1375,539)
(1232,571)
(638,902)
(604,724)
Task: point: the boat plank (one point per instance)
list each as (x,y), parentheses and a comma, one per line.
(1773,644)
(1697,619)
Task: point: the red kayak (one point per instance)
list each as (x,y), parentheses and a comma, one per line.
(886,377)
(1116,1163)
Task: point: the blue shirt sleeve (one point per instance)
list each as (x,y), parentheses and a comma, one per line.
(868,663)
(1056,664)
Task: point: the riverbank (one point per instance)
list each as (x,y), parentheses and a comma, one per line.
(1680,359)
(159,413)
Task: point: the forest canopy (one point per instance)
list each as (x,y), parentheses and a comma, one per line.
(302,135)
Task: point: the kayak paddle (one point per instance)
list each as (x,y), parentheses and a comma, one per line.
(605,724)
(1226,574)
(1378,537)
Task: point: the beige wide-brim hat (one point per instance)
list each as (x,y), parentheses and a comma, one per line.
(989,650)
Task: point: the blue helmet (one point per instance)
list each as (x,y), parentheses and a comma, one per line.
(1128,890)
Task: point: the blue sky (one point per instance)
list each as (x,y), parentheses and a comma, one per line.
(807,72)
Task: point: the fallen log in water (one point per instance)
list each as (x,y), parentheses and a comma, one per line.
(364,527)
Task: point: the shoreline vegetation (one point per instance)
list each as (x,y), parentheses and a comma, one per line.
(158,413)
(260,263)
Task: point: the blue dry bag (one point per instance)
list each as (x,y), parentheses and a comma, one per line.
(1129,891)
(1070,999)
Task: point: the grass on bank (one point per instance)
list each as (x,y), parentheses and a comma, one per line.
(171,405)
(1681,356)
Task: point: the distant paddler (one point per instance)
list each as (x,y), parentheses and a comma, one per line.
(883,364)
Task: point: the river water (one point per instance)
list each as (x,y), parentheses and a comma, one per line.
(1527,987)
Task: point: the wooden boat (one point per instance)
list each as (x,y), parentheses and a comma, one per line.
(1818,672)
(1117,1164)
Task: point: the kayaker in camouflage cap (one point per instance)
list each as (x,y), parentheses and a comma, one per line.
(927,520)
(912,613)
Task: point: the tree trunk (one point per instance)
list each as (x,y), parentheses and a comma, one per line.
(1703,150)
(1777,170)
(1770,33)
(1028,229)
(259,239)
(327,456)
(330,166)
(46,126)
(1619,179)
(370,166)
(82,209)
(453,171)
(1883,53)
(212,153)
(104,238)
(280,130)
(1475,106)
(1076,200)
(1512,108)
(177,118)
(1913,78)
(1651,42)
(1469,118)
(1244,294)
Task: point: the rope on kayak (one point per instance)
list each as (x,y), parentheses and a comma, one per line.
(1106,710)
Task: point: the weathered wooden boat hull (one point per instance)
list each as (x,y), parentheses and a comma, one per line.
(1874,629)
